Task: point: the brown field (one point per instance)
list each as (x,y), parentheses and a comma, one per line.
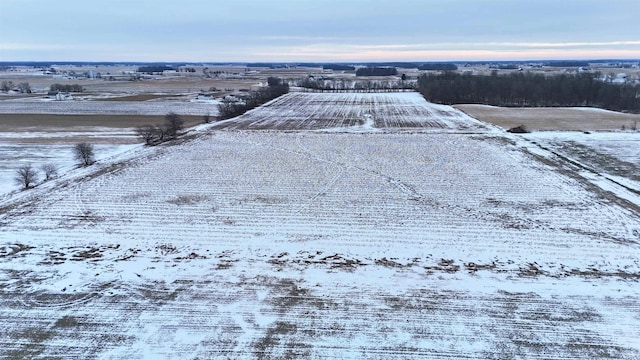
(61,129)
(52,122)
(561,119)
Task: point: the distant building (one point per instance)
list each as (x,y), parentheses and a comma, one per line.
(620,78)
(59,96)
(203,96)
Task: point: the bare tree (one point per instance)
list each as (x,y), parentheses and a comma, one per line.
(84,153)
(174,124)
(5,86)
(50,171)
(24,87)
(162,132)
(26,176)
(148,133)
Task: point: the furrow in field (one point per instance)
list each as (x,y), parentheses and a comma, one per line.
(245,244)
(311,111)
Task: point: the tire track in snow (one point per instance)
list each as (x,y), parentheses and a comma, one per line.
(340,168)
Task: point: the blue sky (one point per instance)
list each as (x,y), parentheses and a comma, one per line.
(321,30)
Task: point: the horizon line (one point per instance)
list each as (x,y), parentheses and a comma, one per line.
(594,60)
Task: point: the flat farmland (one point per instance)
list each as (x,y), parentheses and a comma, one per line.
(549,119)
(309,111)
(181,83)
(40,139)
(323,245)
(96,107)
(21,125)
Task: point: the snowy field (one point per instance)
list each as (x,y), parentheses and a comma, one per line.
(16,154)
(85,107)
(323,245)
(615,154)
(365,110)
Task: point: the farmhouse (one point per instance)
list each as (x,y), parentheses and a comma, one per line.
(59,96)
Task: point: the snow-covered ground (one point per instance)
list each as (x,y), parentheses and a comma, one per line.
(307,244)
(84,107)
(16,154)
(306,111)
(615,155)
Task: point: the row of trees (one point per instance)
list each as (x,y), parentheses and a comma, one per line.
(338,67)
(568,63)
(23,87)
(438,67)
(529,89)
(376,71)
(151,69)
(170,129)
(27,176)
(66,87)
(231,108)
(340,85)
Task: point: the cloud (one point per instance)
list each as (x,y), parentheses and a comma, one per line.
(305,30)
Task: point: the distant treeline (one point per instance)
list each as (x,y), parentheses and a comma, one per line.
(568,63)
(403,65)
(406,65)
(338,67)
(376,71)
(441,67)
(66,87)
(267,65)
(333,85)
(275,88)
(506,67)
(529,89)
(150,69)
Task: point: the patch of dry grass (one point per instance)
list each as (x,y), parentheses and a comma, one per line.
(561,118)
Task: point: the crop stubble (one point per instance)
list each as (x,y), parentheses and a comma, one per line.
(323,245)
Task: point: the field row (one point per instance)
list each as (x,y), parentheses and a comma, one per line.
(285,244)
(309,111)
(80,107)
(450,240)
(234,310)
(343,179)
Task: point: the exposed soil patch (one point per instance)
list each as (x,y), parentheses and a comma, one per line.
(55,122)
(187,199)
(13,250)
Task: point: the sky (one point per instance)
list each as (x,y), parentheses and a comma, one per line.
(318,30)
